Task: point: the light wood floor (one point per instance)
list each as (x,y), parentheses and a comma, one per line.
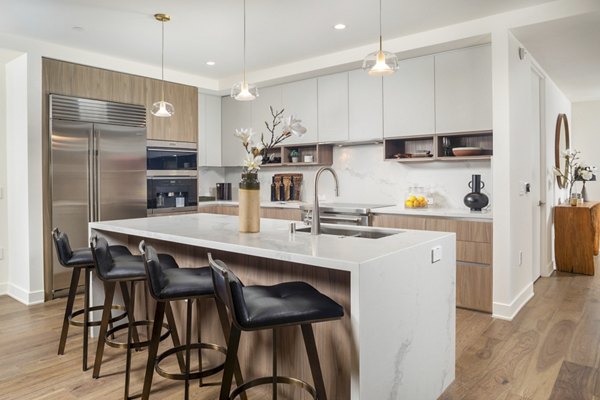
(550,351)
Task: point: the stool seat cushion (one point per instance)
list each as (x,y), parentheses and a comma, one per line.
(286,303)
(130,267)
(185,283)
(83,257)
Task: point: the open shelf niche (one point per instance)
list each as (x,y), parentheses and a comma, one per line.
(322,155)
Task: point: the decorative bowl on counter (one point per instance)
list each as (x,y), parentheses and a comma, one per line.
(467,151)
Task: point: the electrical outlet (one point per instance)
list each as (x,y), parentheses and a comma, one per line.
(436,254)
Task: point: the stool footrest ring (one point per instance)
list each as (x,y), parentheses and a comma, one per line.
(97,308)
(268,380)
(193,375)
(123,345)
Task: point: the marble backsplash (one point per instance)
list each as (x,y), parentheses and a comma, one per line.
(365,177)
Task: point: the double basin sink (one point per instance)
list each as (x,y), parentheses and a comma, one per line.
(352,232)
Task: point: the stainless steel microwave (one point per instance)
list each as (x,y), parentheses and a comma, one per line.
(166,158)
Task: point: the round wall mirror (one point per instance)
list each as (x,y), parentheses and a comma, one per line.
(562,141)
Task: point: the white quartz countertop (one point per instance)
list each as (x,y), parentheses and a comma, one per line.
(220,232)
(436,212)
(269,204)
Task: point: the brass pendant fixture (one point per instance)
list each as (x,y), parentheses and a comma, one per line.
(162,108)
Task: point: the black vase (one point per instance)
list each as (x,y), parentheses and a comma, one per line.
(476,200)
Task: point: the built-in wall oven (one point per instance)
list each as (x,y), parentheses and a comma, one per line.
(172,176)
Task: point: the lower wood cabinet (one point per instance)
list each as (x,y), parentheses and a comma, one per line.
(474,273)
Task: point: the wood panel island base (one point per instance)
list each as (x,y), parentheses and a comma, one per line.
(397,338)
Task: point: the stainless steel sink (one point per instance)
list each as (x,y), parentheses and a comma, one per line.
(352,232)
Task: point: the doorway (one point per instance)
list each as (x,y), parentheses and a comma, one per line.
(539,237)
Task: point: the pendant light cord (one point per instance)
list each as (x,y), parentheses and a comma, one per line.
(380,37)
(162,62)
(244,41)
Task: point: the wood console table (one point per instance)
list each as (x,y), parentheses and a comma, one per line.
(576,237)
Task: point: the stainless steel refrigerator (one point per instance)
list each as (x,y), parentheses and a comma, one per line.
(97,168)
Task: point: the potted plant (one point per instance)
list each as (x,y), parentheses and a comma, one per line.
(294,155)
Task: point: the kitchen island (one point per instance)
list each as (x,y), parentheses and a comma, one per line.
(397,338)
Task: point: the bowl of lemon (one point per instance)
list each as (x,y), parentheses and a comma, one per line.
(413,201)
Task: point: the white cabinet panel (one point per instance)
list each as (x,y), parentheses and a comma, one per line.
(333,108)
(365,102)
(300,99)
(209,132)
(234,114)
(408,99)
(463,90)
(270,96)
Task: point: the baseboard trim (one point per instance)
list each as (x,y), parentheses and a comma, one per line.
(509,311)
(549,270)
(24,296)
(3,288)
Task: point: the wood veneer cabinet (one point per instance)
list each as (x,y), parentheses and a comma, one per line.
(473,254)
(576,237)
(77,80)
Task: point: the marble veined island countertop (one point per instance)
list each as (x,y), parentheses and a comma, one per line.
(397,338)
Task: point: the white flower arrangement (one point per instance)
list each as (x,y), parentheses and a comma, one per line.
(575,170)
(256,150)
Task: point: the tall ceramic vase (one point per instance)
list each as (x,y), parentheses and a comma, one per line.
(476,200)
(249,203)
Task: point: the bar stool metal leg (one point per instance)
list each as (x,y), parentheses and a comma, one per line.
(130,311)
(230,362)
(174,335)
(153,347)
(86,316)
(274,364)
(199,328)
(313,360)
(188,342)
(131,327)
(109,294)
(237,371)
(69,310)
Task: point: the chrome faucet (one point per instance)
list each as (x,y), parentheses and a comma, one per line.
(316,214)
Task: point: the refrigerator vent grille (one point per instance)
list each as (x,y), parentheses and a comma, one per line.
(104,112)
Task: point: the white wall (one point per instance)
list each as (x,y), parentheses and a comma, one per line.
(3,206)
(365,177)
(585,136)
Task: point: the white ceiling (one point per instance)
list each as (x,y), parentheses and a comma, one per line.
(279,31)
(569,51)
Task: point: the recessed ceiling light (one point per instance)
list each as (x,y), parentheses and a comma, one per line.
(339,27)
(78,28)
(211,63)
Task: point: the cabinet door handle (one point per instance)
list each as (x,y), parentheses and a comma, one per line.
(541,203)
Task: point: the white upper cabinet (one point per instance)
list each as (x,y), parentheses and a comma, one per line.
(463,90)
(268,97)
(209,130)
(300,99)
(333,108)
(408,99)
(235,114)
(365,103)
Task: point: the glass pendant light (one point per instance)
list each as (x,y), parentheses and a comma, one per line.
(244,91)
(162,108)
(380,63)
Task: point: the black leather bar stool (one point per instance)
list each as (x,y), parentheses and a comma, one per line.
(77,260)
(166,285)
(270,307)
(124,270)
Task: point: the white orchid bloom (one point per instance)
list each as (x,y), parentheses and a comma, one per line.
(294,126)
(244,134)
(585,174)
(252,163)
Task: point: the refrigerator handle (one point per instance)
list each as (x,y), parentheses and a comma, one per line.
(91,179)
(96,178)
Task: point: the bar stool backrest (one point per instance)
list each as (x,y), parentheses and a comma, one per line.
(63,247)
(228,289)
(154,271)
(102,258)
